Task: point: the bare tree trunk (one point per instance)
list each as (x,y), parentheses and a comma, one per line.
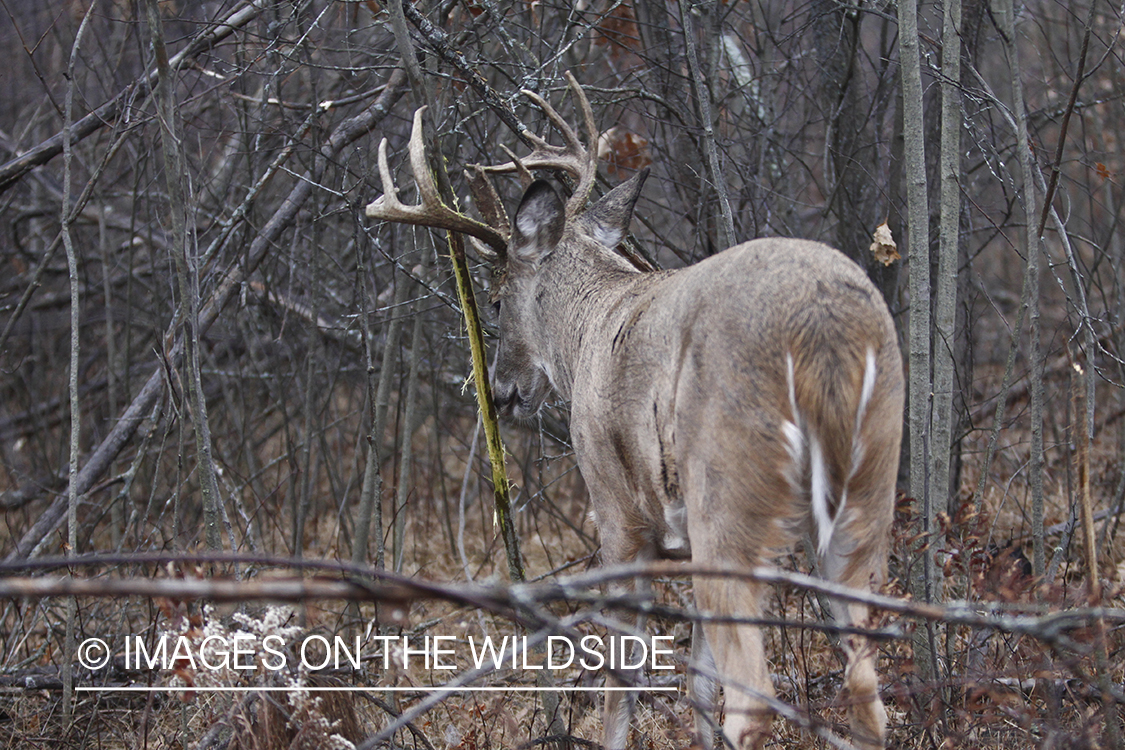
(849,153)
(187,272)
(302,500)
(371,496)
(1031,215)
(948,256)
(707,123)
(926,586)
(408,423)
(72,494)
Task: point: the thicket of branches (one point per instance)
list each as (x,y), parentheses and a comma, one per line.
(205,344)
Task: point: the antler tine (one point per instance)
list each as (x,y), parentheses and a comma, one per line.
(590,174)
(578,160)
(521,170)
(423,177)
(430,211)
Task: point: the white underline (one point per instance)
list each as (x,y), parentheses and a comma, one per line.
(353,689)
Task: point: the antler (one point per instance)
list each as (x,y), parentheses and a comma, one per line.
(430,211)
(573,158)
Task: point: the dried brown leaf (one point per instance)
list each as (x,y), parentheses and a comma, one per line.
(883,246)
(623,149)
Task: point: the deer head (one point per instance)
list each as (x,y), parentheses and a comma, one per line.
(544,233)
(522,373)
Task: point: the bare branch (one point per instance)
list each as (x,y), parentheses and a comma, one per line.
(100,459)
(12,170)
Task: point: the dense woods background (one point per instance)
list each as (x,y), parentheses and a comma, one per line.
(205,345)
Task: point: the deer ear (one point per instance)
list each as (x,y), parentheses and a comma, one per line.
(538,224)
(608,219)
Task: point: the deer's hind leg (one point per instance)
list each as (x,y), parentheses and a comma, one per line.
(739,658)
(856,557)
(617,713)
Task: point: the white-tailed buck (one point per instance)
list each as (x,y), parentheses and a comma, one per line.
(718,411)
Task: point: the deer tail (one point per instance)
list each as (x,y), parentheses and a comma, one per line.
(829,397)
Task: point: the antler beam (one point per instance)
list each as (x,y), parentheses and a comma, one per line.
(430,211)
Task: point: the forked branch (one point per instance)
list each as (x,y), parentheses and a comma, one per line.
(430,211)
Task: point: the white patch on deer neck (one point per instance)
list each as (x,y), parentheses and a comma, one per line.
(545,367)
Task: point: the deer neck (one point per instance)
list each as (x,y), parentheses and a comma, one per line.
(579,298)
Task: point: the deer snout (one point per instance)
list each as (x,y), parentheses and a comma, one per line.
(521,397)
(505,398)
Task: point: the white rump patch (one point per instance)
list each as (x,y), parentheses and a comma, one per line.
(794,441)
(865,393)
(796,438)
(868,386)
(791,379)
(795,446)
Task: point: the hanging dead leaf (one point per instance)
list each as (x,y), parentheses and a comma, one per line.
(1102,170)
(622,149)
(618,31)
(883,247)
